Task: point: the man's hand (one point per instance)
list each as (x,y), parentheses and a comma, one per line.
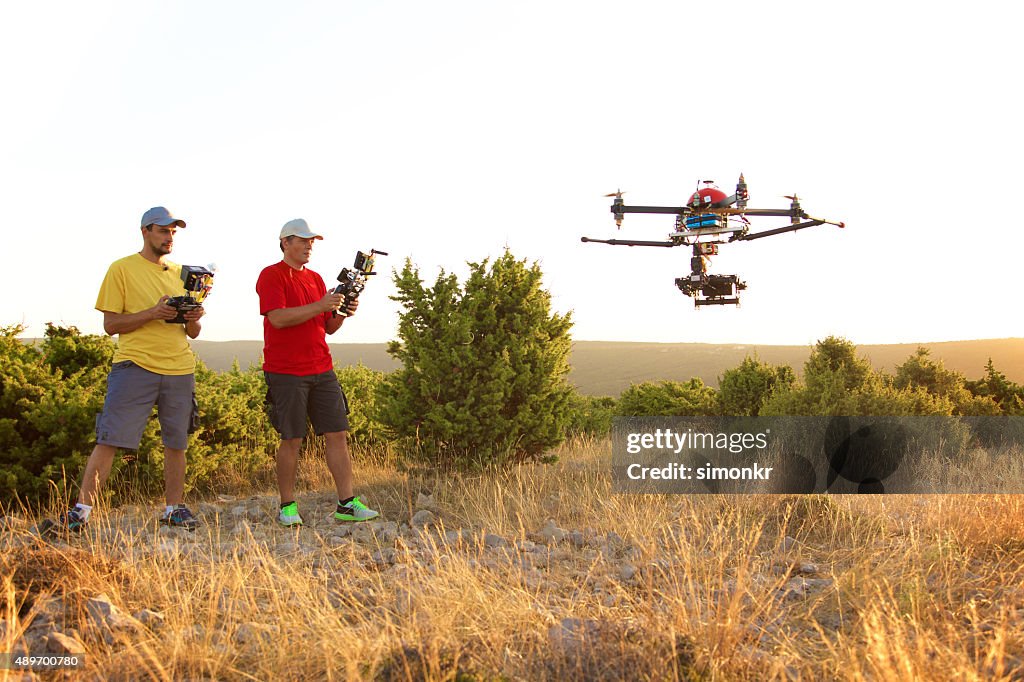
(192,325)
(194,314)
(330,302)
(334,323)
(162,311)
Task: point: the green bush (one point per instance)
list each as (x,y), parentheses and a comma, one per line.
(47,415)
(360,384)
(667,398)
(590,415)
(920,371)
(50,396)
(839,383)
(483,367)
(743,390)
(1007,395)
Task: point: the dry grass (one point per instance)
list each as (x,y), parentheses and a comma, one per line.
(651,587)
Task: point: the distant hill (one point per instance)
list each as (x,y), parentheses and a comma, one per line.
(219,355)
(606,367)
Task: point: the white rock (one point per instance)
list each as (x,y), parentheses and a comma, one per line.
(423,518)
(494,541)
(59,643)
(109,619)
(387,531)
(362,533)
(154,620)
(550,532)
(788,544)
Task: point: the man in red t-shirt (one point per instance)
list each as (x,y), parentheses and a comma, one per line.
(297,312)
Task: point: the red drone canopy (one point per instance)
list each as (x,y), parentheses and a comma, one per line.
(707,196)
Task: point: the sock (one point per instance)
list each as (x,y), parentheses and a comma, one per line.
(83,511)
(285,504)
(344,503)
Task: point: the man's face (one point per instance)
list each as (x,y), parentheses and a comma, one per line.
(160,238)
(298,250)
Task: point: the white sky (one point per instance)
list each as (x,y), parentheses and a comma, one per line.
(445,131)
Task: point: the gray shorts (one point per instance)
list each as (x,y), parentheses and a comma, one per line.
(131,394)
(292,398)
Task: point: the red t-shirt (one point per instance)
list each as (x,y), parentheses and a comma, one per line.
(301,350)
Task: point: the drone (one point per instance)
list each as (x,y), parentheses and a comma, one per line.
(709,219)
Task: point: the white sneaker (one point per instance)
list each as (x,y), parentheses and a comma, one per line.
(289,516)
(354,511)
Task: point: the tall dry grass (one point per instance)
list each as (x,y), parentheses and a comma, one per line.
(649,587)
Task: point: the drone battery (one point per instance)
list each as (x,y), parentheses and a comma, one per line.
(702,221)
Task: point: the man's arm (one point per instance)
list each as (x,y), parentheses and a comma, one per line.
(123,323)
(281,318)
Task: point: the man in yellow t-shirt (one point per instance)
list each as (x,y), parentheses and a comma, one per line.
(153,365)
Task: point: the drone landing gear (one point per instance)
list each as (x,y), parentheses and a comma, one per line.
(716,301)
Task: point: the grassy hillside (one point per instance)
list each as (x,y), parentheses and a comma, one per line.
(606,368)
(535,573)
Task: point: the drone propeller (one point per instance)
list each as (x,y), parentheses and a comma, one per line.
(617,194)
(791,197)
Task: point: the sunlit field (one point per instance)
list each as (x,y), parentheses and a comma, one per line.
(535,573)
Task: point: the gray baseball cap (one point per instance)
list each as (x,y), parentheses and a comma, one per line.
(158,215)
(298,228)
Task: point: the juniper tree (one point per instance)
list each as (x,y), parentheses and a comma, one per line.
(483,377)
(743,390)
(667,398)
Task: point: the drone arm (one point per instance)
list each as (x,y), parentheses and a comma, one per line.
(759,211)
(826,222)
(627,242)
(673,210)
(780,230)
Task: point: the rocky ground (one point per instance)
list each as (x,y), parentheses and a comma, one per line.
(541,574)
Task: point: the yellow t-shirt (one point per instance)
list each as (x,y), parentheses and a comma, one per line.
(133,284)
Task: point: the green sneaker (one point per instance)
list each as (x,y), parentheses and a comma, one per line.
(354,511)
(289,516)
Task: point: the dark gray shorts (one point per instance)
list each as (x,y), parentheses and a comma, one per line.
(292,398)
(131,394)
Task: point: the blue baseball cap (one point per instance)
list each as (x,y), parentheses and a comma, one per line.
(158,215)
